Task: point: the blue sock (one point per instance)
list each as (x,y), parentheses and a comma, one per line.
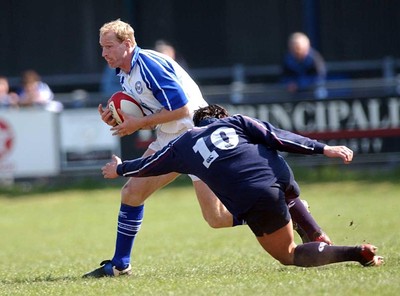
(129,222)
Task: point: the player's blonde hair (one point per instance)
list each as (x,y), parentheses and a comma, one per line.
(122,30)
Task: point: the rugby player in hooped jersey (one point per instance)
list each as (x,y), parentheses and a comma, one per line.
(169,96)
(239,154)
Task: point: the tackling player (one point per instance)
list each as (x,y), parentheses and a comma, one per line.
(239,154)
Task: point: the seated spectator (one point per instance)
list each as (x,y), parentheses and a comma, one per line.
(304,68)
(7,98)
(35,92)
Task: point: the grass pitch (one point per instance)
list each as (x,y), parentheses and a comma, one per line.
(49,240)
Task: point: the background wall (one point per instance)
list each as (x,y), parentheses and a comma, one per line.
(61,37)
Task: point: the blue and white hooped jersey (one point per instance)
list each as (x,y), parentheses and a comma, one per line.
(158,82)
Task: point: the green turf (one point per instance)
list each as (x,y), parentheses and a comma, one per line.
(49,240)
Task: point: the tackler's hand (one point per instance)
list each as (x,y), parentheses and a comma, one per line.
(342,152)
(110,169)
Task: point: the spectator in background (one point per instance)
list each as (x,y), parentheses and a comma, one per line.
(167,49)
(7,98)
(35,92)
(304,68)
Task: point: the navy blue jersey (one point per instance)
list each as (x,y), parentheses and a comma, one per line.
(237,157)
(307,72)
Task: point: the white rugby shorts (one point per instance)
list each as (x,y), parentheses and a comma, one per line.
(162,139)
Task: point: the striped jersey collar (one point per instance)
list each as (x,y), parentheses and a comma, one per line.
(133,61)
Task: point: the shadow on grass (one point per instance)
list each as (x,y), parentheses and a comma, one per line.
(39,279)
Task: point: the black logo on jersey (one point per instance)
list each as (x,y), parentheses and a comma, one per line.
(210,159)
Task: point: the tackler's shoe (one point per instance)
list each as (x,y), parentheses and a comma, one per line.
(108,270)
(369,257)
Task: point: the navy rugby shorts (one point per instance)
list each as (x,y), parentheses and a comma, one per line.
(269,213)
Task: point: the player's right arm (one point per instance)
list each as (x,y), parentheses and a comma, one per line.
(162,162)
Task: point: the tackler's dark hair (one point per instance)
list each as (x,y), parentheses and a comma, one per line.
(211,111)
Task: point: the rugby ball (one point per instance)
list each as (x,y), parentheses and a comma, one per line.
(123,101)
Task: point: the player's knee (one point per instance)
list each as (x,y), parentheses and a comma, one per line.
(131,196)
(284,257)
(285,261)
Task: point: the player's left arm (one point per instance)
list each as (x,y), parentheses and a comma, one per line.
(132,124)
(282,140)
(287,141)
(165,116)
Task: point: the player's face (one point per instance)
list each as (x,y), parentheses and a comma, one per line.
(113,50)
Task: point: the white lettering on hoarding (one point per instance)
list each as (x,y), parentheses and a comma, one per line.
(319,116)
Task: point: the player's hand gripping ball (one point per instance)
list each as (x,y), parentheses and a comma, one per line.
(125,102)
